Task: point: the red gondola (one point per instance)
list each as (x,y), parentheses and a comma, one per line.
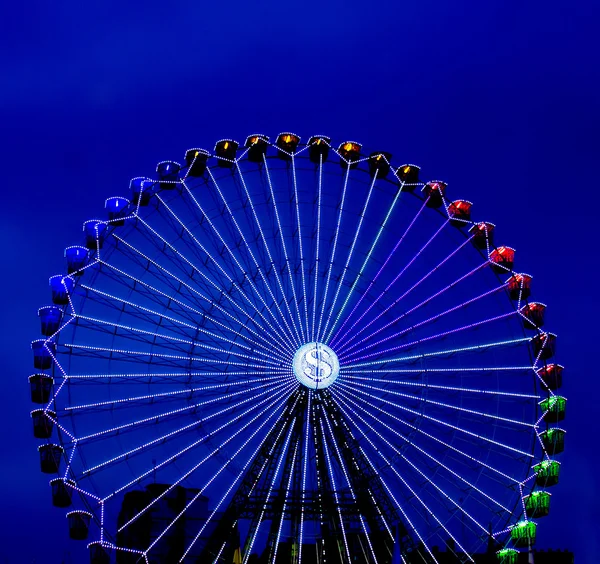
(544,345)
(482,234)
(551,376)
(502,259)
(459,213)
(434,192)
(519,286)
(533,315)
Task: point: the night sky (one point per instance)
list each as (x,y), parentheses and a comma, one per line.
(498,99)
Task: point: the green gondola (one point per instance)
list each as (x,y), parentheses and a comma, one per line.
(523,533)
(553,440)
(507,556)
(553,409)
(547,473)
(537,504)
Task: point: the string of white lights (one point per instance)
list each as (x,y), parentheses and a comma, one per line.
(288,332)
(269,255)
(340,282)
(283,245)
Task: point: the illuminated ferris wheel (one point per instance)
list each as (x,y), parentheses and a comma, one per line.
(286,352)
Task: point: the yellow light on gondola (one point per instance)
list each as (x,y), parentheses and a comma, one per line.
(406,169)
(348,147)
(225,145)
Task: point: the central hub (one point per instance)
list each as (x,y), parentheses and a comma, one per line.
(316,365)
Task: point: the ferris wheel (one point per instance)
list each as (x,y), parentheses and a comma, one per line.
(287,352)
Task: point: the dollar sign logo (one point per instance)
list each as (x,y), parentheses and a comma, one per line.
(318,360)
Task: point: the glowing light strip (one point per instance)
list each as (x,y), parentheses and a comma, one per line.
(273,444)
(406,440)
(268,338)
(367,258)
(159,355)
(399,475)
(182,341)
(188,505)
(283,245)
(271,261)
(173,375)
(428,435)
(70,461)
(425,302)
(233,283)
(343,467)
(335,493)
(173,393)
(235,419)
(203,314)
(304,293)
(318,247)
(197,465)
(439,421)
(438,353)
(398,300)
(396,278)
(275,475)
(289,336)
(248,462)
(340,336)
(448,388)
(48,408)
(306,439)
(350,253)
(287,491)
(105,544)
(332,258)
(425,339)
(449,406)
(181,410)
(404,515)
(374,470)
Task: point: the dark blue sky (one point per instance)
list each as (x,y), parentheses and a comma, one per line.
(498,99)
